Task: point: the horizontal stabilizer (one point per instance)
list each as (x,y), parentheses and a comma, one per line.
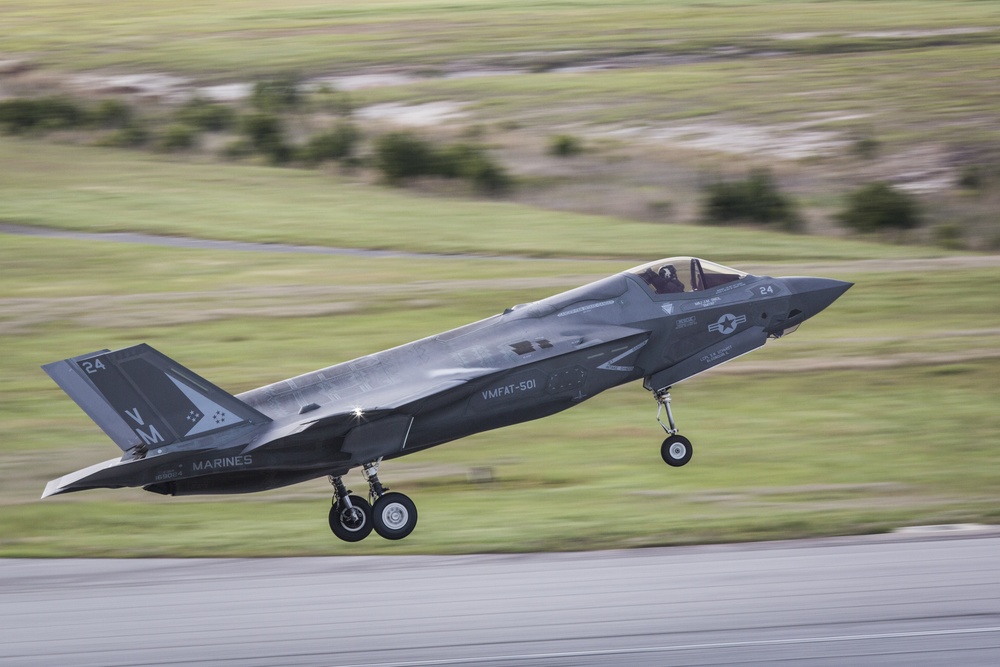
(141,398)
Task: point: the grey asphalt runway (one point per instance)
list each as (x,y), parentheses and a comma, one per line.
(861,601)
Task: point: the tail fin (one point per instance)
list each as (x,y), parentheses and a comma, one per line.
(141,398)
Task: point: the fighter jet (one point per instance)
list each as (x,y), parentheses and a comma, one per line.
(661,322)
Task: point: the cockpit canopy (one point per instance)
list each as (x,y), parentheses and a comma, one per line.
(685,274)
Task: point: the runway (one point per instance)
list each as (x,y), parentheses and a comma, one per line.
(860,601)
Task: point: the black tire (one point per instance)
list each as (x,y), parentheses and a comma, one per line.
(394,516)
(676,451)
(351,524)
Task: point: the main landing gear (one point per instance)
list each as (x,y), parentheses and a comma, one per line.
(352,518)
(676,450)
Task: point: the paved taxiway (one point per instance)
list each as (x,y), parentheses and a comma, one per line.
(864,601)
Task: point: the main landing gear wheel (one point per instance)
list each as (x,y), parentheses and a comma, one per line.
(354,523)
(394,516)
(676,450)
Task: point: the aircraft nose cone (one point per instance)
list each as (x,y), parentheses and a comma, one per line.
(811,295)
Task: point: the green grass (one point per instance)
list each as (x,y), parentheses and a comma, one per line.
(92,189)
(849,91)
(852,446)
(202,38)
(781,453)
(795,455)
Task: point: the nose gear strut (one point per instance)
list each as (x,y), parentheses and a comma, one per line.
(676,450)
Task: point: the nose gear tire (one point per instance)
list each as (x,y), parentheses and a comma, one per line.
(676,451)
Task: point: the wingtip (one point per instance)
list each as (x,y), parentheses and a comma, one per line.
(52,488)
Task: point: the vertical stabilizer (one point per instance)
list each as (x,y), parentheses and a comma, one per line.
(142,398)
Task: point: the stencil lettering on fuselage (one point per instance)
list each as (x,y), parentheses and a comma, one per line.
(514,388)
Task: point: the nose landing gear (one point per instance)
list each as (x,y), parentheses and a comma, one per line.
(676,450)
(352,518)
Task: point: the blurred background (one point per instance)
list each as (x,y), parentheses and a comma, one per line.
(507,151)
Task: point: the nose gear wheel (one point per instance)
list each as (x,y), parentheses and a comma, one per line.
(676,450)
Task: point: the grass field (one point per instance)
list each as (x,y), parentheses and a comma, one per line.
(212,37)
(879,413)
(664,95)
(95,189)
(785,451)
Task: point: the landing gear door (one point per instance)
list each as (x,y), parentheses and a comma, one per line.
(379,438)
(726,349)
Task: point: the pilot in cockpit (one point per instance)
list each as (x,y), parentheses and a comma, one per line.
(669,282)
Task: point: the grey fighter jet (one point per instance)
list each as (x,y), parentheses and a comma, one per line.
(662,322)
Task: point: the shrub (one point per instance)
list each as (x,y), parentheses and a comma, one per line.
(333,101)
(177,137)
(866,147)
(237,149)
(400,155)
(457,160)
(132,135)
(42,113)
(337,144)
(205,115)
(276,94)
(949,235)
(112,113)
(565,145)
(754,199)
(878,206)
(472,163)
(266,136)
(487,176)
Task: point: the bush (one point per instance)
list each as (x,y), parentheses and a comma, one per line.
(205,115)
(487,176)
(866,148)
(457,160)
(400,155)
(336,102)
(878,206)
(177,137)
(112,113)
(473,164)
(266,136)
(238,149)
(276,94)
(337,144)
(754,199)
(132,135)
(42,113)
(565,145)
(949,235)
